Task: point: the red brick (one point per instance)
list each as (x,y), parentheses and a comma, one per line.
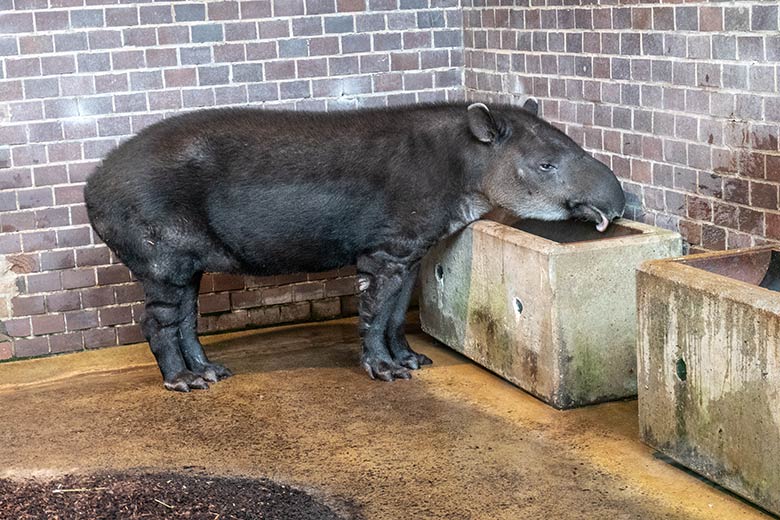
(277,295)
(344,6)
(713,237)
(129,334)
(64,301)
(97,297)
(308,291)
(53,260)
(6,350)
(31,347)
(222,10)
(763,195)
(80,320)
(68,342)
(74,237)
(115,316)
(113,274)
(129,293)
(326,309)
(261,316)
(213,303)
(48,324)
(232,320)
(772,226)
(751,221)
(294,312)
(691,231)
(78,278)
(97,338)
(27,305)
(735,240)
(39,240)
(228,282)
(246,299)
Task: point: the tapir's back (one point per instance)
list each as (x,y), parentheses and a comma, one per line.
(271,189)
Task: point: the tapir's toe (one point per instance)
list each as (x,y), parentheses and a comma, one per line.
(213,372)
(185,381)
(384,370)
(412,360)
(424,360)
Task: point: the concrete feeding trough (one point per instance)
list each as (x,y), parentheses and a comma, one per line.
(549,306)
(709,367)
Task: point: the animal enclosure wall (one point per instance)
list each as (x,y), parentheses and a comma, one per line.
(77,77)
(679,98)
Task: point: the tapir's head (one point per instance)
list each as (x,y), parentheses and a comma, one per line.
(536,171)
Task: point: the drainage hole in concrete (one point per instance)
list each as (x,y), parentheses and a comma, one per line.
(439,272)
(682,370)
(160,495)
(518,305)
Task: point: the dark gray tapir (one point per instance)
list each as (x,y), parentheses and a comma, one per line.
(270,192)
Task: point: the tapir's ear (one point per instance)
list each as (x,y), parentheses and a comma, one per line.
(531,105)
(484,126)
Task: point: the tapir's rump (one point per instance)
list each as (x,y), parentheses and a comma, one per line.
(271,192)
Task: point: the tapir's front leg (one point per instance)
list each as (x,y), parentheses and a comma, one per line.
(396,335)
(384,275)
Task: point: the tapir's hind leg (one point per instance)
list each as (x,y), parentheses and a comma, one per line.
(396,338)
(160,325)
(191,349)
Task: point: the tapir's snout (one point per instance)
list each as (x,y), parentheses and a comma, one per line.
(601,198)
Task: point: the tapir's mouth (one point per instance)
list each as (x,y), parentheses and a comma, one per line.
(602,222)
(592,213)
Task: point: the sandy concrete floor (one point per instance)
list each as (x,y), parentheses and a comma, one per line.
(455,442)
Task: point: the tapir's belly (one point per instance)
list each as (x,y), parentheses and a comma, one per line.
(295,228)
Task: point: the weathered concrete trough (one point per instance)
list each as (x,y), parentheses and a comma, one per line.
(709,367)
(549,306)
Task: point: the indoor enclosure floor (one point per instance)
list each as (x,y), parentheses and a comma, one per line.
(454,442)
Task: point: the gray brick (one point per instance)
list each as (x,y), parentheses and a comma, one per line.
(764,18)
(339,24)
(195,55)
(81,18)
(293,48)
(207,33)
(248,72)
(428,19)
(189,12)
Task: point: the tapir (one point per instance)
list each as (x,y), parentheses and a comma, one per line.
(268,192)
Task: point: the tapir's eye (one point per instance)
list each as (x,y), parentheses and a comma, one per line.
(546,167)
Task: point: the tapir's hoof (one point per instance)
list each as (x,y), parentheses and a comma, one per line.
(213,372)
(384,370)
(185,381)
(413,361)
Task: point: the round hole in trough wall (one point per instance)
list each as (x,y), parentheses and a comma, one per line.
(439,271)
(682,370)
(518,305)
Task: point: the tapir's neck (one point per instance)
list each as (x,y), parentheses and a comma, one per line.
(471,207)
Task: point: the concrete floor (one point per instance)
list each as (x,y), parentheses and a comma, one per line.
(455,442)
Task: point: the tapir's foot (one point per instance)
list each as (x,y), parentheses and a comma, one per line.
(383,369)
(185,381)
(212,372)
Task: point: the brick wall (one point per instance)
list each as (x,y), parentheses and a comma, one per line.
(679,97)
(78,76)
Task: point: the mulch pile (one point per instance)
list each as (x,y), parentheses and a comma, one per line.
(131,496)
